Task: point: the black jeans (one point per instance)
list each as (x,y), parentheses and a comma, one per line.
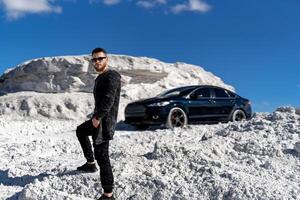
(101,152)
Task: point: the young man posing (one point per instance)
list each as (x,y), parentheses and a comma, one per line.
(102,125)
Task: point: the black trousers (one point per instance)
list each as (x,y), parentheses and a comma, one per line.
(101,152)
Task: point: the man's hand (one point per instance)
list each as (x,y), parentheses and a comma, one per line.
(95,122)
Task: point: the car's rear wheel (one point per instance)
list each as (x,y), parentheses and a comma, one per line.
(238,115)
(176,118)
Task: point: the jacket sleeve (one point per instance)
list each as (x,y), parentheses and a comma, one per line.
(104,104)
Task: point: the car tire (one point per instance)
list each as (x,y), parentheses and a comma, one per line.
(176,118)
(238,115)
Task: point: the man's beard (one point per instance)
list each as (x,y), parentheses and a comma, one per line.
(102,69)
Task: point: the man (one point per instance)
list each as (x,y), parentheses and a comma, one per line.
(102,125)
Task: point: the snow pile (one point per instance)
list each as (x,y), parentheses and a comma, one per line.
(254,159)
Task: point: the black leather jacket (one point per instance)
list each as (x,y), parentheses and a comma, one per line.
(107,96)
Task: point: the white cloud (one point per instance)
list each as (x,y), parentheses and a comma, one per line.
(111,2)
(18,8)
(106,2)
(179,8)
(150,3)
(161,1)
(146,4)
(192,5)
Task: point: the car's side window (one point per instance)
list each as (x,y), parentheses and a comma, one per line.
(221,93)
(201,93)
(230,93)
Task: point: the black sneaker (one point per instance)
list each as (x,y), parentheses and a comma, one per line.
(103,197)
(88,167)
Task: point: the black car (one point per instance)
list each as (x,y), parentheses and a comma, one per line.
(188,105)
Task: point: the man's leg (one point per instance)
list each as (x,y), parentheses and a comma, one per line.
(106,175)
(82,132)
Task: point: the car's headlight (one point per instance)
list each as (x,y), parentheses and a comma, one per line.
(164,103)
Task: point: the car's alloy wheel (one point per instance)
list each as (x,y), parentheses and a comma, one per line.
(176,118)
(238,115)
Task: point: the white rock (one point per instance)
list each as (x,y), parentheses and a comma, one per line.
(297,147)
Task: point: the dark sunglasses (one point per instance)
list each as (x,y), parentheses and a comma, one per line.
(99,59)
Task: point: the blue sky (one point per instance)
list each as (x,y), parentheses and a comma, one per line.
(253,45)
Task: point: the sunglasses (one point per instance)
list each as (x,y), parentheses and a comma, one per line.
(98,59)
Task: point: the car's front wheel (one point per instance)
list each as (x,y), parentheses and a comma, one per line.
(238,115)
(176,118)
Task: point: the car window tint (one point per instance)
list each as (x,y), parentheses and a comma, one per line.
(187,91)
(176,92)
(169,92)
(231,94)
(202,92)
(221,93)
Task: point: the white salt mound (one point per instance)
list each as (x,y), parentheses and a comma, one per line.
(248,160)
(76,74)
(61,87)
(39,151)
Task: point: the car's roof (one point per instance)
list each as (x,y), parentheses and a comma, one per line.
(205,86)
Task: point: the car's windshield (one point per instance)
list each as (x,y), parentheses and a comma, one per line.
(176,92)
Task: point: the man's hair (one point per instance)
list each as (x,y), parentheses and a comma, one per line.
(97,50)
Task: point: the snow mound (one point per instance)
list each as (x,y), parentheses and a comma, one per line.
(254,159)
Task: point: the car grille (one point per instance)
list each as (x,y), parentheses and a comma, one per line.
(135,109)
